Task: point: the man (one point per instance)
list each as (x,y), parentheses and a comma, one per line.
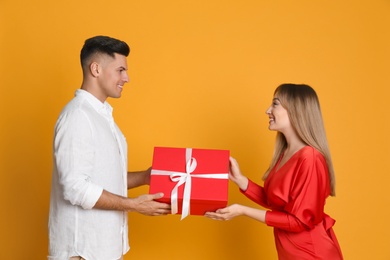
(89,203)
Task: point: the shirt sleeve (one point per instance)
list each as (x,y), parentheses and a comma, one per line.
(74,159)
(308,191)
(255,193)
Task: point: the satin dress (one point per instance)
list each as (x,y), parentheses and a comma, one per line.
(295,193)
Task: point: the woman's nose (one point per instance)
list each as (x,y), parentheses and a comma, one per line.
(268,111)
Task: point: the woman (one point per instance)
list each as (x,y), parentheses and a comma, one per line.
(298,181)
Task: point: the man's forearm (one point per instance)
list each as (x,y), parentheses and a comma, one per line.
(110,201)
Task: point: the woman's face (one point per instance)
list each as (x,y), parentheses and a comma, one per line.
(278,116)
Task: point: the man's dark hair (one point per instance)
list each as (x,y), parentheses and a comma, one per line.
(104,45)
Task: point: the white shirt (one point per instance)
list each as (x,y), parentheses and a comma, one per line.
(90,154)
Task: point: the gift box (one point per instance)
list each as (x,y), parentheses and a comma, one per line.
(194,181)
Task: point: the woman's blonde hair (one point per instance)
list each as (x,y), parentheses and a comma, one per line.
(304,112)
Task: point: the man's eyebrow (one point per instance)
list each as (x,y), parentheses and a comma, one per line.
(276,99)
(123,68)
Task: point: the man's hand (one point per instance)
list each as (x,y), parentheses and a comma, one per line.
(146,205)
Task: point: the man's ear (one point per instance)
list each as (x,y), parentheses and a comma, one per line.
(94,68)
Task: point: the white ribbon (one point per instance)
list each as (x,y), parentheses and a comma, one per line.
(185,178)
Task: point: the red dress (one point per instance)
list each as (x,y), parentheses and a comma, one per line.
(295,195)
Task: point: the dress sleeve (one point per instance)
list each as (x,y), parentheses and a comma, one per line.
(74,157)
(256,193)
(308,191)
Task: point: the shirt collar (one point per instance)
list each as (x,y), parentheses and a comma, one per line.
(96,103)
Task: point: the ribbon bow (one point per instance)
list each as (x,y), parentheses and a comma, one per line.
(183,178)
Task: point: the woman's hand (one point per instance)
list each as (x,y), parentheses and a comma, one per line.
(236,210)
(236,176)
(227,213)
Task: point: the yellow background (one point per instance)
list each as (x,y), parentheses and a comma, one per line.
(202,75)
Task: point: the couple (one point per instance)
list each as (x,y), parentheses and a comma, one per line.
(89,203)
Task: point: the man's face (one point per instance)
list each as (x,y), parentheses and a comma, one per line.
(112,76)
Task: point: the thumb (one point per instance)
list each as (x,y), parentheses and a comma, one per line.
(224,210)
(158,195)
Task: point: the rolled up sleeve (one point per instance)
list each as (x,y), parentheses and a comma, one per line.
(74,158)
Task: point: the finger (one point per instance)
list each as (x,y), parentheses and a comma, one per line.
(216,218)
(210,216)
(232,160)
(158,195)
(160,213)
(222,211)
(165,206)
(165,211)
(213,215)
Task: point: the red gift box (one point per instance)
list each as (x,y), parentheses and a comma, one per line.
(194,181)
